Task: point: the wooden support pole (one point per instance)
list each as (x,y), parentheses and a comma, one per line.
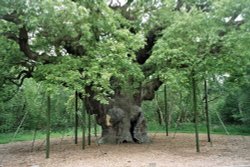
(48,127)
(206,111)
(166,109)
(89,128)
(76,117)
(83,123)
(95,126)
(194,87)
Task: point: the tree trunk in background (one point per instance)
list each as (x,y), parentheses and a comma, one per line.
(159,111)
(159,115)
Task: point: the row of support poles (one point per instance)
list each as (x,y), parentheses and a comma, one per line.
(194,87)
(84,124)
(194,108)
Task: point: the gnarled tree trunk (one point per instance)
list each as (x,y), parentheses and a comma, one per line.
(124,123)
(122,120)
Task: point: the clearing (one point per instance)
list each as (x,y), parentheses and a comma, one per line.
(178,151)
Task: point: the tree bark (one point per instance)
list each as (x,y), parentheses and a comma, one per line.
(159,111)
(123,121)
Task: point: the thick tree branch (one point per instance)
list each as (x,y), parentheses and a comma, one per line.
(143,54)
(147,91)
(24,45)
(13,17)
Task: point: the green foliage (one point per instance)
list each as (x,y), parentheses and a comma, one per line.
(52,25)
(31,101)
(11,112)
(235,109)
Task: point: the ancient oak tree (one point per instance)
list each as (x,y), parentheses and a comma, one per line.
(116,54)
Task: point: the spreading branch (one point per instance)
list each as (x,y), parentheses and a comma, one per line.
(24,45)
(18,80)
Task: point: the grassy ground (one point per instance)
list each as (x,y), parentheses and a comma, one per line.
(184,128)
(215,129)
(29,135)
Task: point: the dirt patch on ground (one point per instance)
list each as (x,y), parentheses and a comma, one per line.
(225,151)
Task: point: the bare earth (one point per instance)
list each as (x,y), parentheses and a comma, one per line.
(225,151)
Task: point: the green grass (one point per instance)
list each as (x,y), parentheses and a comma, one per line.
(28,135)
(215,129)
(152,127)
